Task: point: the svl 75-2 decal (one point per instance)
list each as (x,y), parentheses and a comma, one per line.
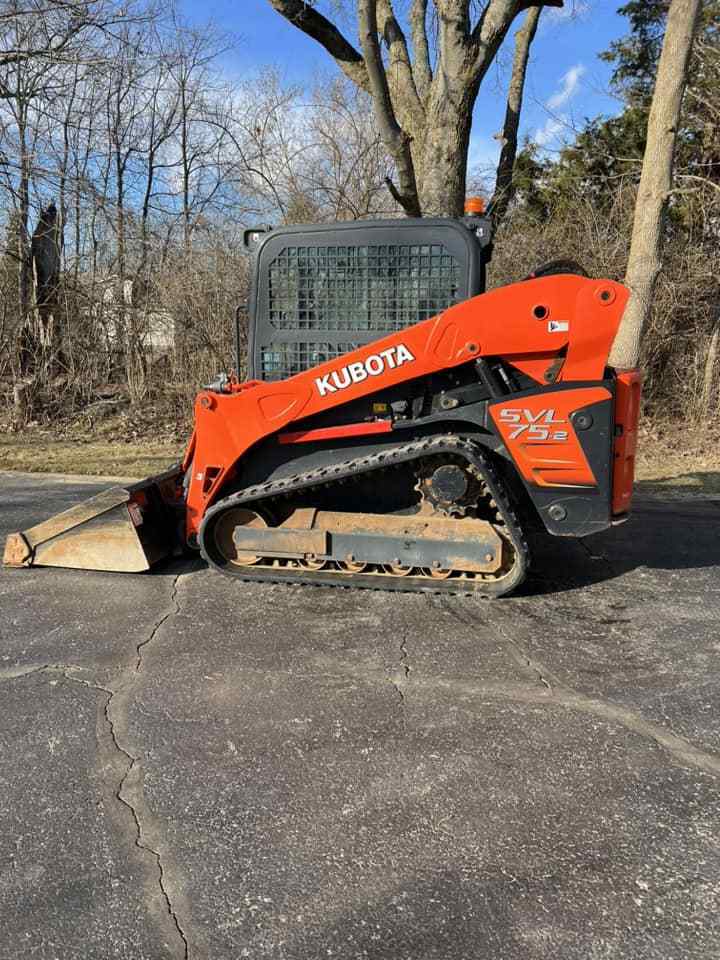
(535,426)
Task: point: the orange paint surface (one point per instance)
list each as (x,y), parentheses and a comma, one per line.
(541,439)
(578,315)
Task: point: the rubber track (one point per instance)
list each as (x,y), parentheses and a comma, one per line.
(350,469)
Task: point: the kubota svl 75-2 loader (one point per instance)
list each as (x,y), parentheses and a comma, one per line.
(399,428)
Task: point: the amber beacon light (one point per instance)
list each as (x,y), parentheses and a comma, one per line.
(475,205)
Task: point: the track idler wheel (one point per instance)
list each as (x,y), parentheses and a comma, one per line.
(223,530)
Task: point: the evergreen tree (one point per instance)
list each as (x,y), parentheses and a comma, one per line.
(636,56)
(608,151)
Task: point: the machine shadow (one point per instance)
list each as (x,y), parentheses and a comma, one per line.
(660,535)
(177,566)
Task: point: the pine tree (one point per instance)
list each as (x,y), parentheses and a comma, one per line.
(608,151)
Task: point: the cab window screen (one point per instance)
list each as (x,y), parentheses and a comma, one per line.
(280,360)
(324,290)
(379,287)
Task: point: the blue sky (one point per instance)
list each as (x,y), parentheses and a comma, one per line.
(566,81)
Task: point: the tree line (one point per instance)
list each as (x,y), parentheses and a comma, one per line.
(130,162)
(129,165)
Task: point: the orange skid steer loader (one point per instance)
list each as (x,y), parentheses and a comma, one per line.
(401,427)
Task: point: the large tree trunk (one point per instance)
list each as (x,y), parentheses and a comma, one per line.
(440,178)
(646,246)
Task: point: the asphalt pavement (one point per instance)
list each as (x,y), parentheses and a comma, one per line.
(192,767)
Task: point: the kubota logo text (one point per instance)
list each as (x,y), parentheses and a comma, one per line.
(372,366)
(535,426)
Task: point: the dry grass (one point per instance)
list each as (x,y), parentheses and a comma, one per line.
(677,459)
(134,442)
(672,458)
(91,458)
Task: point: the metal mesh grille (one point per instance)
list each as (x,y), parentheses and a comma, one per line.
(280,360)
(382,287)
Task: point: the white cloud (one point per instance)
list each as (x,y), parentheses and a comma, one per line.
(552,129)
(569,87)
(557,122)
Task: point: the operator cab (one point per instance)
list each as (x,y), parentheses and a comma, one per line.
(321,290)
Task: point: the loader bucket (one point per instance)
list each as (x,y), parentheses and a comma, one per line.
(123,529)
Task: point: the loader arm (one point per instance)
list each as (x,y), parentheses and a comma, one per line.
(561,326)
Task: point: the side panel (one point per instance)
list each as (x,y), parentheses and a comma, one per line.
(561,443)
(541,439)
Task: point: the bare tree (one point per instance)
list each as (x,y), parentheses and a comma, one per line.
(423,103)
(645,261)
(506,165)
(125,113)
(28,89)
(61,30)
(200,140)
(351,164)
(316,157)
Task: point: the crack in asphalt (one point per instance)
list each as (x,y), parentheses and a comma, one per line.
(520,655)
(132,805)
(172,611)
(679,748)
(684,752)
(401,678)
(559,694)
(129,790)
(525,660)
(404,658)
(19,673)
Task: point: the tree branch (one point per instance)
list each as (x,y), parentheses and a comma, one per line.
(492,26)
(504,183)
(315,25)
(526,4)
(396,140)
(422,68)
(703,180)
(406,101)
